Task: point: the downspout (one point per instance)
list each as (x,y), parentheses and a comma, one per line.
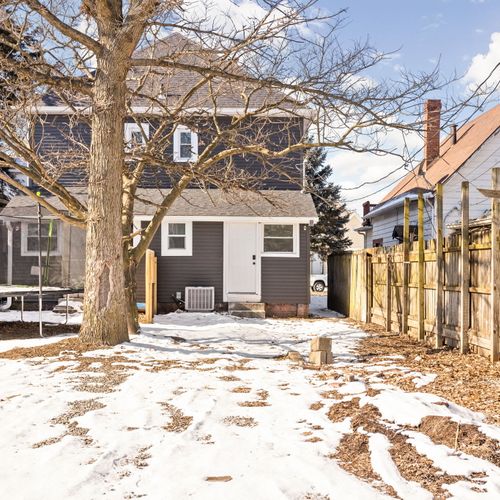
(6,306)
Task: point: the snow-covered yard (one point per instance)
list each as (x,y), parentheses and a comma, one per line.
(209,406)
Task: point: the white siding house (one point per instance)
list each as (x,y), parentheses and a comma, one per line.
(468,154)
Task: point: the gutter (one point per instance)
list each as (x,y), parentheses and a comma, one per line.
(396,203)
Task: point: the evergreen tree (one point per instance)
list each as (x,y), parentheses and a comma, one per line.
(329,233)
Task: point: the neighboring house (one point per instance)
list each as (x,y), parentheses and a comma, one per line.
(319,267)
(357,240)
(251,248)
(468,153)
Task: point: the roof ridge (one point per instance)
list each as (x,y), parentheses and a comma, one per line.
(470,137)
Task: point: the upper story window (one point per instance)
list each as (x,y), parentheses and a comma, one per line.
(49,241)
(280,240)
(185,144)
(136,134)
(176,238)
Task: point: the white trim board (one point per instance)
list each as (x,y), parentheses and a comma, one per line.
(235,218)
(33,253)
(155,110)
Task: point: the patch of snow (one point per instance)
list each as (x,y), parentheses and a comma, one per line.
(409,408)
(449,460)
(385,467)
(352,388)
(47,317)
(420,380)
(318,307)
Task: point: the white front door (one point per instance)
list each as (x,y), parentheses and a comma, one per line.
(242,266)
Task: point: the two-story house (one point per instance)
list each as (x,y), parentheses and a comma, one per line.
(468,153)
(250,245)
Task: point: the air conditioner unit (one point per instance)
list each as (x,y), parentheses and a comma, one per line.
(200,298)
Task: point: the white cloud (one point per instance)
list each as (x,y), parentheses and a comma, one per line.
(351,169)
(482,64)
(238,17)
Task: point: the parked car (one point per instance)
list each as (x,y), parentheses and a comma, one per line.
(318,282)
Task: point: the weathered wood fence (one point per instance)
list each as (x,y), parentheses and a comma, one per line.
(444,291)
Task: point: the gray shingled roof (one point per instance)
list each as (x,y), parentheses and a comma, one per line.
(169,85)
(195,203)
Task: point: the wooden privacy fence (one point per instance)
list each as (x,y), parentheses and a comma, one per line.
(443,291)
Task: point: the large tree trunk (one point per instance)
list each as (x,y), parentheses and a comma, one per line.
(105,306)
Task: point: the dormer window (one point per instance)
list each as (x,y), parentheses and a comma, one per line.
(185,144)
(136,134)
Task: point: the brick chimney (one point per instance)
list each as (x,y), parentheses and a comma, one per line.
(432,124)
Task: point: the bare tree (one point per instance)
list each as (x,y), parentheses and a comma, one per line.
(248,86)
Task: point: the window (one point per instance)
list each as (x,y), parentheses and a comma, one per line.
(136,134)
(176,238)
(185,144)
(379,242)
(49,241)
(280,240)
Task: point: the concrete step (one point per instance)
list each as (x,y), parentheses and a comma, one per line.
(247,306)
(246,313)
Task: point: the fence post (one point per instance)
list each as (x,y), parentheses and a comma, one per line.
(406,266)
(465,274)
(439,265)
(421,269)
(388,293)
(369,289)
(495,265)
(150,276)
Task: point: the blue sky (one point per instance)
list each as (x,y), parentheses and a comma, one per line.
(463,35)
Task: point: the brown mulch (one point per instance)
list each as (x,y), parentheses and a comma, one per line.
(178,421)
(340,411)
(353,452)
(30,330)
(467,380)
(462,437)
(75,409)
(240,421)
(354,456)
(241,389)
(316,406)
(73,345)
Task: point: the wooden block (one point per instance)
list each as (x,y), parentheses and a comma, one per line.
(317,358)
(321,344)
(329,358)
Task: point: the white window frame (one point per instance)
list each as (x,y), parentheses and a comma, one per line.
(295,239)
(131,127)
(32,253)
(177,144)
(176,252)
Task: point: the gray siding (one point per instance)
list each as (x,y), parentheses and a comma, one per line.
(203,268)
(285,280)
(22,265)
(3,253)
(383,224)
(55,134)
(66,269)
